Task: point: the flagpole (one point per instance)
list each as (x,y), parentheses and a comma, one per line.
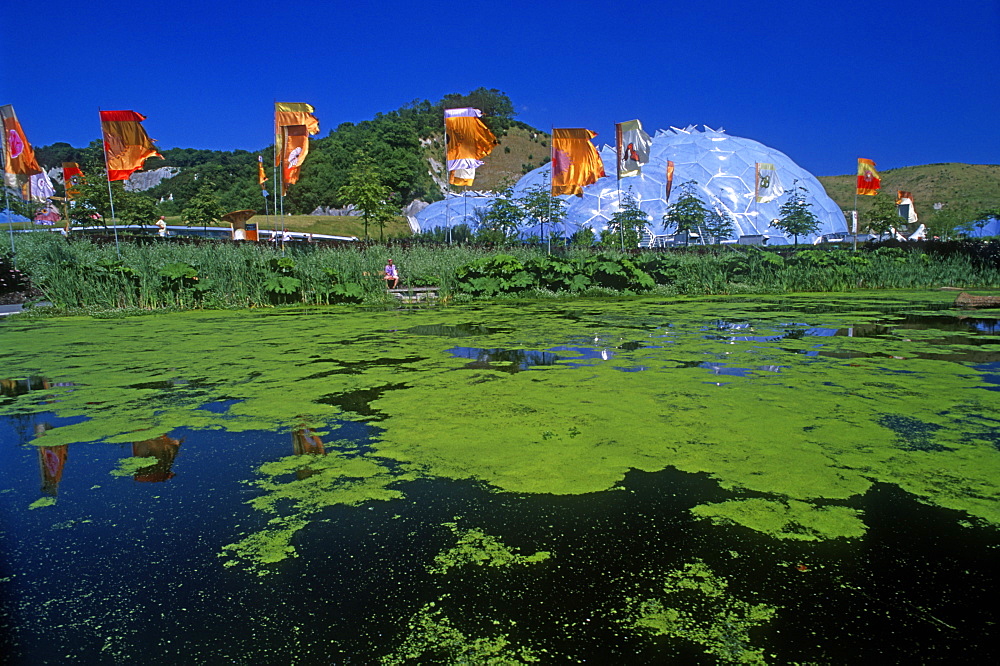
(618,174)
(6,203)
(854,219)
(111,199)
(548,239)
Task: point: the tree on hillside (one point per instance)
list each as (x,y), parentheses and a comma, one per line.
(203,208)
(688,213)
(882,216)
(364,190)
(626,224)
(498,110)
(794,216)
(952,218)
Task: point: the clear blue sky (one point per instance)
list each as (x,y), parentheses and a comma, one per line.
(902,83)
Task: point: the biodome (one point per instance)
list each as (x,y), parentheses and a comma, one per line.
(723,166)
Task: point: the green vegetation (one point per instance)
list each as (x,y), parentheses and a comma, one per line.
(795,218)
(77,273)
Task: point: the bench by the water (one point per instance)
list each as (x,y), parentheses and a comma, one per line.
(410,294)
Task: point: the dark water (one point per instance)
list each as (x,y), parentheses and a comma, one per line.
(126,570)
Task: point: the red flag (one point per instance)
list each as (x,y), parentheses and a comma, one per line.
(72,179)
(868,180)
(126,144)
(670,179)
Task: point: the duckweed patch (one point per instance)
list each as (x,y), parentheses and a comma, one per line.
(129,466)
(695,605)
(42,501)
(478,548)
(433,638)
(801,521)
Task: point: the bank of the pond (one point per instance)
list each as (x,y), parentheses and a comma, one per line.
(79,273)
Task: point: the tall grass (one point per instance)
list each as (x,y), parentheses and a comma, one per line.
(78,273)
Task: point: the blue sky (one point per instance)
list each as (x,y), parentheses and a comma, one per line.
(903,83)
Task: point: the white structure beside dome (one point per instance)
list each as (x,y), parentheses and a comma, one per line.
(723,166)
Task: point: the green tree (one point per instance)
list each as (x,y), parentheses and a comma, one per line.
(501,221)
(795,217)
(688,212)
(364,190)
(719,225)
(539,205)
(882,216)
(203,208)
(626,224)
(134,208)
(952,218)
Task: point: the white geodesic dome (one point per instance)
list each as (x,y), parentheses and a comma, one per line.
(723,166)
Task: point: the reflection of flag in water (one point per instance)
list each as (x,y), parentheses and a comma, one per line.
(868,180)
(51,461)
(633,146)
(670,179)
(767,186)
(164,449)
(575,161)
(19,158)
(469,141)
(261,176)
(305,441)
(72,179)
(126,144)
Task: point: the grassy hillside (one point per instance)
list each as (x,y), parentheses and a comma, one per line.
(521,149)
(975,185)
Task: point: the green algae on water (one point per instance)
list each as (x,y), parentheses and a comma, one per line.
(294,489)
(476,547)
(694,605)
(433,638)
(129,466)
(793,519)
(42,501)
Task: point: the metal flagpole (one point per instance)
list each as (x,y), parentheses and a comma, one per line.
(854,217)
(618,170)
(6,203)
(111,199)
(447,179)
(548,239)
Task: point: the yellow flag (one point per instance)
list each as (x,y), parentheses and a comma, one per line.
(575,161)
(469,140)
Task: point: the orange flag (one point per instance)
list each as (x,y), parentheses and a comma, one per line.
(868,180)
(19,158)
(126,144)
(469,141)
(290,114)
(72,179)
(261,176)
(296,143)
(575,161)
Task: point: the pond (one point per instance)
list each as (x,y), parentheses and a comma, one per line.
(745,480)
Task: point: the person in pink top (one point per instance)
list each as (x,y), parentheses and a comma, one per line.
(391,275)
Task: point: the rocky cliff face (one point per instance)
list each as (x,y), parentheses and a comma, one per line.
(141,181)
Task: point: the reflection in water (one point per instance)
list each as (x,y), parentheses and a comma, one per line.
(505,360)
(51,460)
(457,331)
(306,441)
(164,448)
(12,387)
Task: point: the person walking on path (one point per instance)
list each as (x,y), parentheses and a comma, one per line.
(391,275)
